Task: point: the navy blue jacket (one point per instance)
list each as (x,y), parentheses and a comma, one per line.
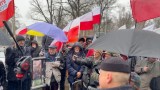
(72,67)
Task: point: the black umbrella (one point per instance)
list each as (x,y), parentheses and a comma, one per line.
(130,43)
(4,39)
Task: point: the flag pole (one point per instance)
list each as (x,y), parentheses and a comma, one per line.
(11,34)
(99,28)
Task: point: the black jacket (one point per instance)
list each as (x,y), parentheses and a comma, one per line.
(2,73)
(46,41)
(12,55)
(35,51)
(126,87)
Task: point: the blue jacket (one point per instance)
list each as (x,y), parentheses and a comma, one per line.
(72,67)
(50,58)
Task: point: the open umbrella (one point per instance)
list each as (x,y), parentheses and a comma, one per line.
(35,33)
(130,43)
(4,39)
(49,30)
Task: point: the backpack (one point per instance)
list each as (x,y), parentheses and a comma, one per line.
(155,83)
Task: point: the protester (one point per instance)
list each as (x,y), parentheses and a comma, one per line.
(147,68)
(135,81)
(74,71)
(53,66)
(114,75)
(35,49)
(46,41)
(63,71)
(12,55)
(88,41)
(2,76)
(28,40)
(92,65)
(82,41)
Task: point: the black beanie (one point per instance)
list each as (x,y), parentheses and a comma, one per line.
(115,64)
(19,38)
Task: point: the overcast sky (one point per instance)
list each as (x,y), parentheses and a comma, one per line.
(24,6)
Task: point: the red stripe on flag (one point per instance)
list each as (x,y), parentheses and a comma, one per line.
(143,10)
(96,19)
(72,34)
(88,25)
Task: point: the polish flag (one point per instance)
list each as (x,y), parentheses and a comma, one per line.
(6,10)
(96,15)
(21,31)
(86,21)
(72,30)
(143,10)
(58,44)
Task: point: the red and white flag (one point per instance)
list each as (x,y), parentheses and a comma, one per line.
(72,30)
(6,10)
(96,15)
(58,44)
(21,31)
(143,10)
(86,21)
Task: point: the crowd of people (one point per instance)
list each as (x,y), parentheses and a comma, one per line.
(74,62)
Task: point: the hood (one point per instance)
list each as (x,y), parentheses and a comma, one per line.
(34,41)
(77,44)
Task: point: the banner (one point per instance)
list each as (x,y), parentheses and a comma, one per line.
(6,10)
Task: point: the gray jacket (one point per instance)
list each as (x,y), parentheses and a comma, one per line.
(147,76)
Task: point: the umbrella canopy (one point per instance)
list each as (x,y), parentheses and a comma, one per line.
(35,33)
(130,43)
(49,30)
(4,39)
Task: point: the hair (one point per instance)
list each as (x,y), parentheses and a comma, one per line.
(121,78)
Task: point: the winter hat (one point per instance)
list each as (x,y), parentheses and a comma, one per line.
(52,46)
(20,38)
(34,41)
(77,44)
(115,64)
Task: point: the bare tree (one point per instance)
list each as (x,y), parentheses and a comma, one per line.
(50,11)
(106,17)
(75,8)
(157,22)
(124,18)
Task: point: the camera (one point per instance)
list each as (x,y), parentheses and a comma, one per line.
(22,66)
